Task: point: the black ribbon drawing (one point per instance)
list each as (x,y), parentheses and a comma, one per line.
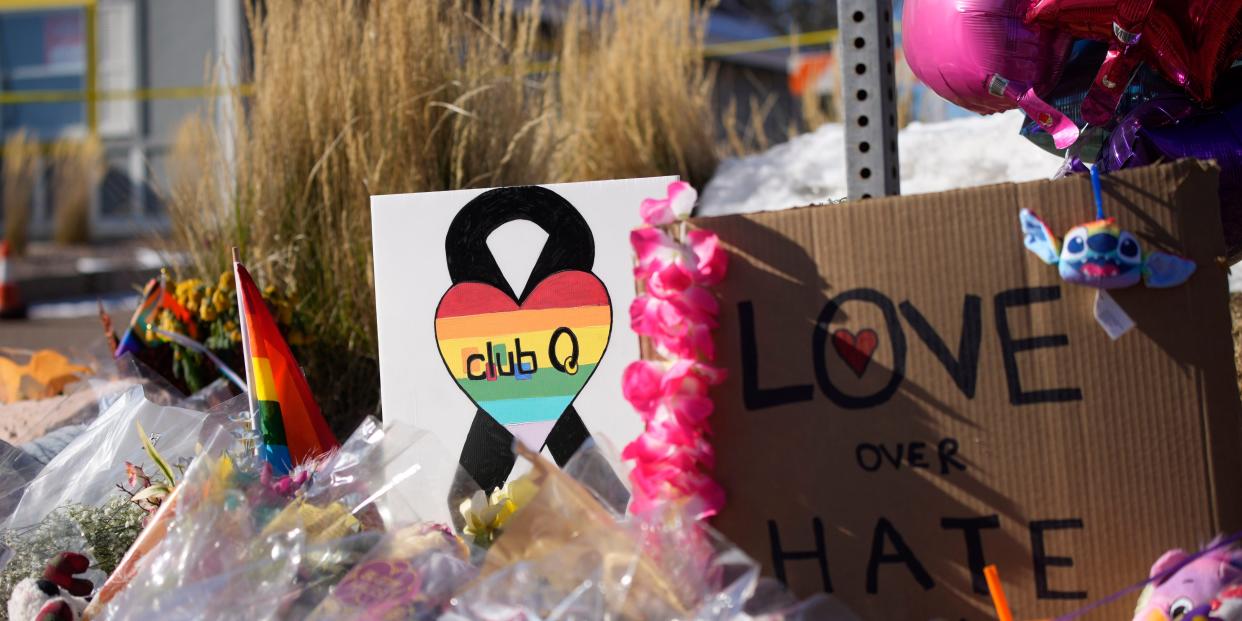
(487,455)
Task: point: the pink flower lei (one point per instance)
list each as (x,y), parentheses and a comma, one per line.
(677,312)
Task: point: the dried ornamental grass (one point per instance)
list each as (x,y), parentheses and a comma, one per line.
(355,98)
(77,168)
(21,164)
(636,96)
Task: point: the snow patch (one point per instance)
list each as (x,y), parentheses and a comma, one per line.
(934,157)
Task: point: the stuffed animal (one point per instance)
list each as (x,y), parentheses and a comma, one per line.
(1228,604)
(57,596)
(1099,254)
(1192,590)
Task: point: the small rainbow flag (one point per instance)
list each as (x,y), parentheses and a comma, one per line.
(154,297)
(290,425)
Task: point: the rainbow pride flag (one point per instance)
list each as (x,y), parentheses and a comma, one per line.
(154,297)
(290,425)
(524,365)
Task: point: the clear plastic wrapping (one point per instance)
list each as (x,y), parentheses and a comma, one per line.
(232,542)
(567,556)
(359,535)
(88,469)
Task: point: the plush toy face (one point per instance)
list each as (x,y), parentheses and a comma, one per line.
(57,596)
(43,600)
(1185,594)
(1099,254)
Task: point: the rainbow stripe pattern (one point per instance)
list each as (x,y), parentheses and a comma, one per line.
(154,298)
(290,425)
(524,365)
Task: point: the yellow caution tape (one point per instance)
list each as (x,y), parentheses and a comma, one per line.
(817,37)
(35,5)
(716,50)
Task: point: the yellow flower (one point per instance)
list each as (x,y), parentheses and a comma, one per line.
(485,517)
(225,283)
(188,292)
(513,496)
(219,300)
(234,333)
(206,311)
(168,323)
(480,518)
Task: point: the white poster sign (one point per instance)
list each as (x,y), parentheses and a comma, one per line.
(467,329)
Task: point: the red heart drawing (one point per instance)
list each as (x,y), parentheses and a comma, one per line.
(856,350)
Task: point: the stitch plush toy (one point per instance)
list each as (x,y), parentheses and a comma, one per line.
(57,596)
(1194,589)
(1099,254)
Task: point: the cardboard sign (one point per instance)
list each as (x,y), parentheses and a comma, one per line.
(913,395)
(472,348)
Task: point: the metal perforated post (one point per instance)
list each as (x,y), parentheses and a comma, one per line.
(869,88)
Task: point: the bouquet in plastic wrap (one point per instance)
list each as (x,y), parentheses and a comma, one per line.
(362,534)
(233,541)
(566,555)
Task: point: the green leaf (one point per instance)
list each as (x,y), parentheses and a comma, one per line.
(155,455)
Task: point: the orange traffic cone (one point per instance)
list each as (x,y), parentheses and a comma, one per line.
(11,306)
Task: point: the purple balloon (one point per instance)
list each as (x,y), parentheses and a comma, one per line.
(1172,128)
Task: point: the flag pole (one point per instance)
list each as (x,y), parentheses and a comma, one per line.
(251,443)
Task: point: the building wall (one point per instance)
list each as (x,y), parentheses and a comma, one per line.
(142,44)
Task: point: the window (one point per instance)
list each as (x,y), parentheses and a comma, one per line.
(117,67)
(40,51)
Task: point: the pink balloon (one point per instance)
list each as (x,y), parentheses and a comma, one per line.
(982,56)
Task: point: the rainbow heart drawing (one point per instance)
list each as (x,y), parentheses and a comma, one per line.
(525,364)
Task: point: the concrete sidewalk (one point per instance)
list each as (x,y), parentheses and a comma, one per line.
(49,272)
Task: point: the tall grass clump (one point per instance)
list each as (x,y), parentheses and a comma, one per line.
(353,98)
(77,168)
(21,164)
(635,93)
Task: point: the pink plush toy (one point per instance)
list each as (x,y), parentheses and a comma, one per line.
(1195,585)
